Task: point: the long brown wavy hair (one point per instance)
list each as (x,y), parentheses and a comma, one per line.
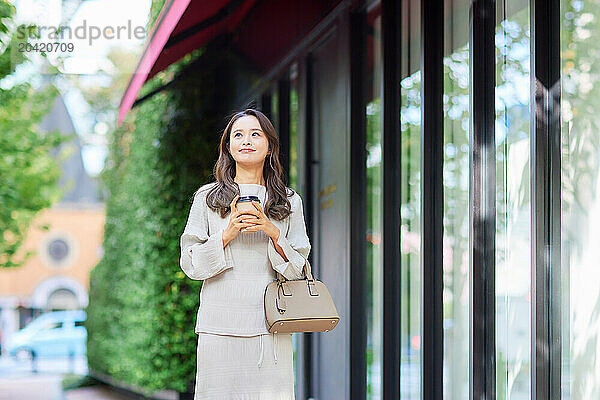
(225,189)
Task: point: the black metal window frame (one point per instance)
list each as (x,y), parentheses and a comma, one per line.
(265,103)
(391,193)
(358,205)
(482,201)
(309,338)
(283,115)
(432,198)
(545,200)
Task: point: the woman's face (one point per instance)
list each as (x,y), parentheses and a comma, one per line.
(246,133)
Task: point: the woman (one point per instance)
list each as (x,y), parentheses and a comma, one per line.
(237,255)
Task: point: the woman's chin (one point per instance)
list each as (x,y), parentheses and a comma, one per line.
(250,161)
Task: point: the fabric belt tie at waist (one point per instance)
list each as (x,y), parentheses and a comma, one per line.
(260,359)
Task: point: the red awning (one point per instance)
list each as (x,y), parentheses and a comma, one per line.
(263,37)
(181,27)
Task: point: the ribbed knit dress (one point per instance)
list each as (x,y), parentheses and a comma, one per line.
(237,358)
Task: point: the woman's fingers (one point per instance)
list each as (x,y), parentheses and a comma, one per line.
(243,217)
(243,224)
(250,218)
(257,205)
(251,226)
(256,213)
(232,204)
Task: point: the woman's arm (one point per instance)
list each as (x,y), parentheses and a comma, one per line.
(278,248)
(294,244)
(202,256)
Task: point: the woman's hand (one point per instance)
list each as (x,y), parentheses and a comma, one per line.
(235,222)
(261,222)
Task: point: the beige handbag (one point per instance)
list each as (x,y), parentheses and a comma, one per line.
(301,305)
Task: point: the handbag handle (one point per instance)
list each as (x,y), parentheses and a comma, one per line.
(306,269)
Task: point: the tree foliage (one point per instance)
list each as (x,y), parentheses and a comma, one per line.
(28,171)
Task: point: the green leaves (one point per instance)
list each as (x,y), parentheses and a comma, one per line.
(7,10)
(28,172)
(139,273)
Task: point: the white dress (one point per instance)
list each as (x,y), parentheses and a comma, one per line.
(237,358)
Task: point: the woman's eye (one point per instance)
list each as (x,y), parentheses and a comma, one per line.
(239,134)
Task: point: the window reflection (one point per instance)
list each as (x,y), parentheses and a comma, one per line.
(456,214)
(294,127)
(410,233)
(580,200)
(294,182)
(374,208)
(513,216)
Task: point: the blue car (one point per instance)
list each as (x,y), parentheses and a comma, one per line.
(53,334)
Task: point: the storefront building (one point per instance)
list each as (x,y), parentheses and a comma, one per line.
(448,157)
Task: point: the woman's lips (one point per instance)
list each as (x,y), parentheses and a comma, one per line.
(246,151)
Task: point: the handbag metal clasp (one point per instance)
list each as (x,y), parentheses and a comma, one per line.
(280,301)
(312,288)
(280,304)
(284,287)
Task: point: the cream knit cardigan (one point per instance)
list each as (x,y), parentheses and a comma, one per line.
(235,277)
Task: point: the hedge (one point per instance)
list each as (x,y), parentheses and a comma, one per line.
(142,308)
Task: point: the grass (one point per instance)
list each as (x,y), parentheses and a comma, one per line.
(74,381)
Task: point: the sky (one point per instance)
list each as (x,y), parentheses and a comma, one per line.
(94,28)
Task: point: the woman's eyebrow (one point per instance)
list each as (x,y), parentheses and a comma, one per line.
(253,129)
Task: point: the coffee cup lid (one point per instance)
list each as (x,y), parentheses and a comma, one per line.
(248,199)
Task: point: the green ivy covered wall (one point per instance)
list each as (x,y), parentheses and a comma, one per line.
(142,307)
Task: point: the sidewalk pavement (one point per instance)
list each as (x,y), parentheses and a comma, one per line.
(99,392)
(31,387)
(48,387)
(19,382)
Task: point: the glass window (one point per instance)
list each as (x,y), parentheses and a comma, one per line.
(50,325)
(410,230)
(374,206)
(294,181)
(580,198)
(455,293)
(294,126)
(513,205)
(274,106)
